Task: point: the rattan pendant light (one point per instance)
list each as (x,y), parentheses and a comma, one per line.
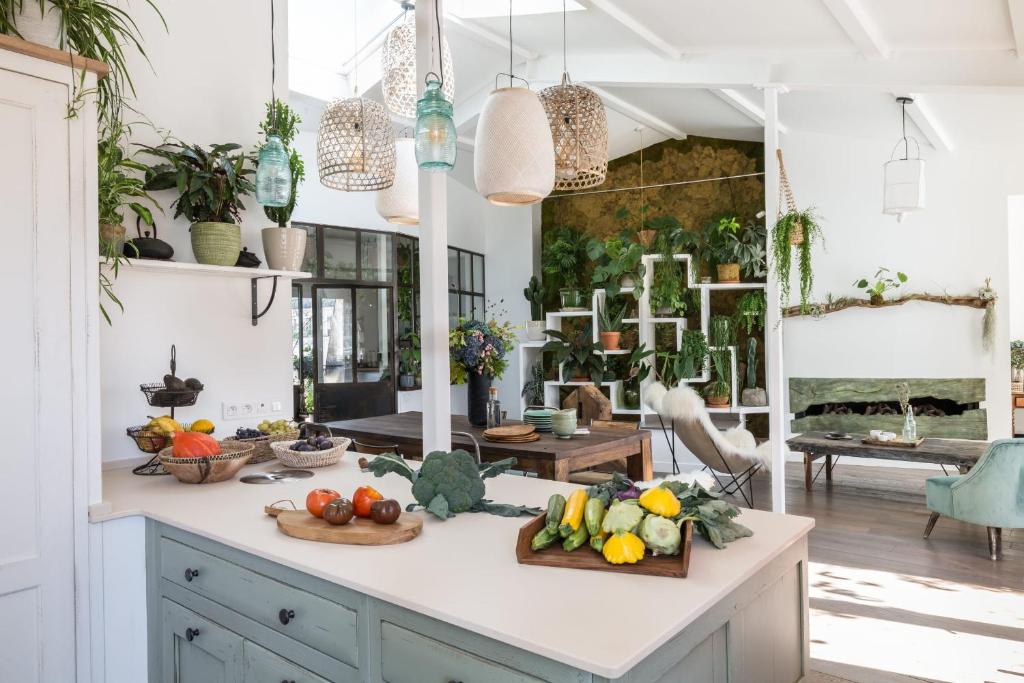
(355,148)
(579,130)
(398,65)
(400,203)
(514,160)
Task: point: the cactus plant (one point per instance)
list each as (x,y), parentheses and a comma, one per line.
(534,293)
(752,363)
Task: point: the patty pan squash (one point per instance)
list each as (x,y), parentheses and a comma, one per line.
(660,501)
(623,548)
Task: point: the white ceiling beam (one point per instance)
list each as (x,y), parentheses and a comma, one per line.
(634,26)
(923,116)
(635,113)
(1016,8)
(488,37)
(858,25)
(745,106)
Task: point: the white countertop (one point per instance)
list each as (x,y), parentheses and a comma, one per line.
(464,571)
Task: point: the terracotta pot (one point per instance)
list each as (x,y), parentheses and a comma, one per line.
(717,401)
(111,238)
(877,299)
(728,272)
(646,237)
(284,248)
(610,340)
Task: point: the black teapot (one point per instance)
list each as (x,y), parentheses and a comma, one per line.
(147,247)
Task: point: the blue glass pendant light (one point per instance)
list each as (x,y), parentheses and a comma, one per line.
(274,169)
(435,133)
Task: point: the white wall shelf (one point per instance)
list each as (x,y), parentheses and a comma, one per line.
(155,266)
(732,285)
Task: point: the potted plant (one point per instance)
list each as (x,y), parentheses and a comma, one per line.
(693,352)
(752,395)
(609,326)
(883,283)
(563,257)
(409,358)
(618,264)
(721,331)
(577,355)
(717,392)
(735,249)
(669,281)
(533,388)
(750,311)
(534,293)
(800,226)
(477,353)
(1017,360)
(210,184)
(284,246)
(636,372)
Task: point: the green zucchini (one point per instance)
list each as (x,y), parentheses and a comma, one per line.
(576,538)
(593,513)
(556,508)
(543,539)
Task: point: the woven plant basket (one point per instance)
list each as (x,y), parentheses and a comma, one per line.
(796,237)
(208,470)
(216,244)
(262,452)
(306,459)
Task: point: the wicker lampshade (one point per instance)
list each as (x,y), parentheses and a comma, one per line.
(514,160)
(398,65)
(355,149)
(579,130)
(400,203)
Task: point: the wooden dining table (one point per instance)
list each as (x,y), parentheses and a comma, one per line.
(549,457)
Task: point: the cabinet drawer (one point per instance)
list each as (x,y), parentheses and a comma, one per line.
(322,624)
(196,650)
(263,666)
(408,657)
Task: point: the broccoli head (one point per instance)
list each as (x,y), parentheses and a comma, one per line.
(454,477)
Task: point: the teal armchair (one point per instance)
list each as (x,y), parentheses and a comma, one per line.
(991,494)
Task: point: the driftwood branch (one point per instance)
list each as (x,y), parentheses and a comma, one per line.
(817,310)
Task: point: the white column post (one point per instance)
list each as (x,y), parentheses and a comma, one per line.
(433,193)
(774,375)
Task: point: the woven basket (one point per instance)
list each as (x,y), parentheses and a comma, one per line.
(304,459)
(263,452)
(208,470)
(1017,387)
(216,244)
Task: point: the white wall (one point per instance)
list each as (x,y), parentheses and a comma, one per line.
(1015,300)
(952,246)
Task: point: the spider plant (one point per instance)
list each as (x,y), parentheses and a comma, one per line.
(805,222)
(750,311)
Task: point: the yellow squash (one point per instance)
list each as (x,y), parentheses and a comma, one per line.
(573,515)
(660,501)
(204,426)
(625,548)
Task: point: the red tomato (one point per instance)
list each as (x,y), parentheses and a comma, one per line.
(317,500)
(364,498)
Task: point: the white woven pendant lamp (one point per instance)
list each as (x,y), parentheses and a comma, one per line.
(400,203)
(398,68)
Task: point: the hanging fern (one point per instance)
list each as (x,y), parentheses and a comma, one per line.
(782,252)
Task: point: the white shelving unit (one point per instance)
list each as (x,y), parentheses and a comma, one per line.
(529,351)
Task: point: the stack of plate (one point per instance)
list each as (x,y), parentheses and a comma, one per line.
(540,418)
(512,434)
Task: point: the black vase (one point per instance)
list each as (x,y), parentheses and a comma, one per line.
(478,394)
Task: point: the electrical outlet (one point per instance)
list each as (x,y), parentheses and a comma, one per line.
(275,407)
(229,411)
(246,409)
(263,408)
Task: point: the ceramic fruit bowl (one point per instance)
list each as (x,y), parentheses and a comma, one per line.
(211,469)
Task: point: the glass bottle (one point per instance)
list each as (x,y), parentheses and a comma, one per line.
(273,174)
(493,409)
(435,134)
(909,426)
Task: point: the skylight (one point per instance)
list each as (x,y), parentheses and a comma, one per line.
(479,9)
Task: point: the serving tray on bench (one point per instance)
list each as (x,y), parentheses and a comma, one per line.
(895,443)
(585,557)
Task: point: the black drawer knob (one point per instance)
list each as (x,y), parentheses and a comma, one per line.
(286,615)
(191,634)
(287,681)
(191,574)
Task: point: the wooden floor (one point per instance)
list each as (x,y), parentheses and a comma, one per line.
(889,606)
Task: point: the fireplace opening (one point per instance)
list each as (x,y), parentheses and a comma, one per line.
(925,406)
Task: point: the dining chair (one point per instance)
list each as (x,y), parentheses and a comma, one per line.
(603,472)
(990,495)
(375,449)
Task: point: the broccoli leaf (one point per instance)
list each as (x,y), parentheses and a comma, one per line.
(389,462)
(503,509)
(493,469)
(439,506)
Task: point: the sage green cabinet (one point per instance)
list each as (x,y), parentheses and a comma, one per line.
(263,666)
(196,650)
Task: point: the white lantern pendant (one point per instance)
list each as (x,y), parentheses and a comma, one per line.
(400,203)
(398,68)
(903,189)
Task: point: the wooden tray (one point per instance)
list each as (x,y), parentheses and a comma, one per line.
(360,531)
(674,566)
(896,443)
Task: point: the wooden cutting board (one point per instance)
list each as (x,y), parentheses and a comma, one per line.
(513,439)
(360,531)
(509,431)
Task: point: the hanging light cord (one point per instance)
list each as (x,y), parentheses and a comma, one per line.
(355,48)
(440,43)
(273,69)
(510,43)
(642,212)
(906,143)
(565,67)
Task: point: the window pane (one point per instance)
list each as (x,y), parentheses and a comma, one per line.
(465,277)
(453,269)
(478,273)
(466,311)
(302,339)
(373,359)
(309,264)
(339,254)
(479,311)
(335,362)
(453,310)
(376,256)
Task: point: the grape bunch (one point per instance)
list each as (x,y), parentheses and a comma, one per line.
(313,443)
(248,433)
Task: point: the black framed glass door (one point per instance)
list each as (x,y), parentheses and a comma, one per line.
(353,360)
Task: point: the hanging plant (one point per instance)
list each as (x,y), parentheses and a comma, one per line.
(804,224)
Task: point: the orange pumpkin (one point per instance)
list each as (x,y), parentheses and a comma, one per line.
(194,445)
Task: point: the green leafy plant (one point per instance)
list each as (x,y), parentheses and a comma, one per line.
(687,362)
(750,311)
(1017,354)
(284,123)
(637,370)
(210,183)
(609,320)
(564,255)
(615,259)
(577,353)
(721,382)
(752,363)
(533,388)
(94,29)
(789,224)
(534,293)
(410,355)
(748,249)
(719,238)
(722,331)
(883,282)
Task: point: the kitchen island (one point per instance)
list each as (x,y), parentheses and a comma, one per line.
(452,604)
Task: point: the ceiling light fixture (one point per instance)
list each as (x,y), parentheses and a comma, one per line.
(904,178)
(398,64)
(579,129)
(514,159)
(400,203)
(274,168)
(355,148)
(436,136)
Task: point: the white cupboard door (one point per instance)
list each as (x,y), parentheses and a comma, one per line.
(37,597)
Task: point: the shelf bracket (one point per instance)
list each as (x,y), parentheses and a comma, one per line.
(256,313)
